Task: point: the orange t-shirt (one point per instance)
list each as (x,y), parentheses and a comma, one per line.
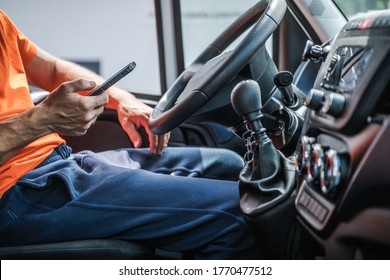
(16,51)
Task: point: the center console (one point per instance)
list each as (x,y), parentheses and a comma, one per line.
(343,197)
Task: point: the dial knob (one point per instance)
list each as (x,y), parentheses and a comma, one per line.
(315,99)
(332,172)
(315,167)
(302,157)
(334,104)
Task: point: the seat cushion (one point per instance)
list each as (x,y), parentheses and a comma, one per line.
(96,249)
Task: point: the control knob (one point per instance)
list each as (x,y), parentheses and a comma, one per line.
(302,158)
(334,104)
(315,99)
(314,52)
(315,169)
(332,172)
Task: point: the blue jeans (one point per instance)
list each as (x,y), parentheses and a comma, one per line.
(132,195)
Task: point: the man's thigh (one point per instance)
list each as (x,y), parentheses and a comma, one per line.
(192,162)
(98,200)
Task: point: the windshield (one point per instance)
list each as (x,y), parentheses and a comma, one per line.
(353,7)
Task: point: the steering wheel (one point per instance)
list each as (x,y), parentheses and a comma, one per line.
(210,71)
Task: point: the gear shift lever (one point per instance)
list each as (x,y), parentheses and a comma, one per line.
(268,177)
(267,180)
(246,101)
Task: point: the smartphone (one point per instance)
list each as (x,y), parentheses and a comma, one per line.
(114,79)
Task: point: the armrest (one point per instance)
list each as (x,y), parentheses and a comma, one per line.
(38,96)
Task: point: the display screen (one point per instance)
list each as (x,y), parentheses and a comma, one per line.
(353,69)
(346,68)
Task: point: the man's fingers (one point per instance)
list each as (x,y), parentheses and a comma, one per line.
(157,143)
(83,85)
(162,143)
(99,100)
(133,134)
(77,85)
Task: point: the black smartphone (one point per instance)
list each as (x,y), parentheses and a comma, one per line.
(114,79)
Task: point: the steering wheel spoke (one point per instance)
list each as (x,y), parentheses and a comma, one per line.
(213,69)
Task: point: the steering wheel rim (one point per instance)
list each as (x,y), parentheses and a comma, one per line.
(265,16)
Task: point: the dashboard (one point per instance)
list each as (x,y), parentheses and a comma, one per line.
(343,198)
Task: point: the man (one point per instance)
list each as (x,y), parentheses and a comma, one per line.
(49,195)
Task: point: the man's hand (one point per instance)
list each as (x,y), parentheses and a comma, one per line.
(132,114)
(72,114)
(68,113)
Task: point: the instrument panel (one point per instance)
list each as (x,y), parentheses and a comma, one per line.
(347,122)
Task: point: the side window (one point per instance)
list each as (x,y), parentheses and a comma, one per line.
(204,20)
(103,34)
(352,7)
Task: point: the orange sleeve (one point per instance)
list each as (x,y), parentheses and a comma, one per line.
(16,51)
(27,48)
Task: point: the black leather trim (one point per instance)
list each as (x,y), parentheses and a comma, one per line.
(96,249)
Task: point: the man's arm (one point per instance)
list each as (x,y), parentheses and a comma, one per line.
(47,72)
(19,131)
(64,112)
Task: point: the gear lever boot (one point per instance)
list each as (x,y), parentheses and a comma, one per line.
(268,177)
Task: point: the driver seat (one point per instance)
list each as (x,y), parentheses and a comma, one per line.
(94,249)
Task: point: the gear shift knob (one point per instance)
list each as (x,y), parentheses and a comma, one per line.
(246,97)
(246,101)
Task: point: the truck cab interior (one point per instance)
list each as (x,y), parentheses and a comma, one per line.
(299,89)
